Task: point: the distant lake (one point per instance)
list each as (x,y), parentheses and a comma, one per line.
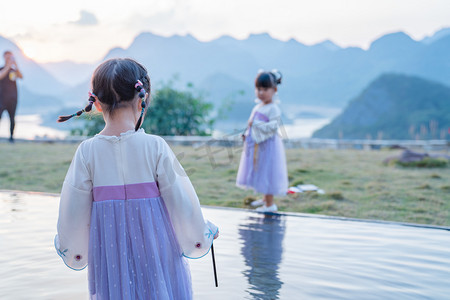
(300,128)
(29,127)
(304,128)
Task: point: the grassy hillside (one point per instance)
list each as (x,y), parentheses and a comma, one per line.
(394,107)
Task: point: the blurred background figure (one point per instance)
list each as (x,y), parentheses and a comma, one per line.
(8,89)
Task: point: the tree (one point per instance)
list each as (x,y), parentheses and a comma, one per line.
(173,112)
(92,123)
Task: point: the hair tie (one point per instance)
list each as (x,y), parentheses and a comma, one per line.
(92,95)
(140,88)
(138,83)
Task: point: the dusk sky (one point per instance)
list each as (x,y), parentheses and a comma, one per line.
(83,31)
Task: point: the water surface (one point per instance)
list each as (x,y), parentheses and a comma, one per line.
(258,257)
(29,127)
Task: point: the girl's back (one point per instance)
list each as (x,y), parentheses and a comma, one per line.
(131,241)
(129,159)
(128,211)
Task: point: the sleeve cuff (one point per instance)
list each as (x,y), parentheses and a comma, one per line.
(73,261)
(201,248)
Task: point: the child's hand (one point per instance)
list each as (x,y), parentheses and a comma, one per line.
(250,123)
(217,235)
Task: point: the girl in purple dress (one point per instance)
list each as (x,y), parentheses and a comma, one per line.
(263,161)
(128,210)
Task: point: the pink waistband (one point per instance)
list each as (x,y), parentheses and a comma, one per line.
(126,192)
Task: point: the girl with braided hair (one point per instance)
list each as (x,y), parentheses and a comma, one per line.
(128,211)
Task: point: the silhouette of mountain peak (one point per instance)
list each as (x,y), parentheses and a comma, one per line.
(442,33)
(328,45)
(390,40)
(260,36)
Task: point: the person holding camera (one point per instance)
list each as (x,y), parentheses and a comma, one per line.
(8,89)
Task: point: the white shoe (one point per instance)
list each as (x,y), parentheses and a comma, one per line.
(258,202)
(264,208)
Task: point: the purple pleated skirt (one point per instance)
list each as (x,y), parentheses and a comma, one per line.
(133,252)
(264,169)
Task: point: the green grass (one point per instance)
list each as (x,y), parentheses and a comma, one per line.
(357,184)
(34,167)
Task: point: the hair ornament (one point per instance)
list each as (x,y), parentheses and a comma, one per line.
(92,97)
(138,83)
(140,88)
(277,75)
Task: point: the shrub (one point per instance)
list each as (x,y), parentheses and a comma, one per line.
(427,162)
(336,195)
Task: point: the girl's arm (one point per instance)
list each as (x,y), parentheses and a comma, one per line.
(72,240)
(249,122)
(194,234)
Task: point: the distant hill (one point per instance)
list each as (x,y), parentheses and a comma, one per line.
(70,73)
(39,91)
(323,74)
(32,103)
(394,106)
(317,76)
(36,79)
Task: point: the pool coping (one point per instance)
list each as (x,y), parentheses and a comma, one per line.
(283,213)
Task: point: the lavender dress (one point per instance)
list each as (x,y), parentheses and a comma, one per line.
(263,161)
(129,212)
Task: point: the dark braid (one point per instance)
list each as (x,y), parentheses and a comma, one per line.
(139,87)
(88,108)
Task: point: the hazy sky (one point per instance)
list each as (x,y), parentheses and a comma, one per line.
(84,30)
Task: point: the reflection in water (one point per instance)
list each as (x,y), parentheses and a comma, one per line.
(262,238)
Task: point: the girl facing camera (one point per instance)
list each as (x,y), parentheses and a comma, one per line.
(263,161)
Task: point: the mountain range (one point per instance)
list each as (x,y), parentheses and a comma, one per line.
(394,106)
(314,76)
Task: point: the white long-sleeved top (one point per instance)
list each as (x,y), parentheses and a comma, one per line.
(118,163)
(266,120)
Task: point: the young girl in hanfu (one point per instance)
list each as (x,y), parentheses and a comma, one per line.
(128,210)
(263,161)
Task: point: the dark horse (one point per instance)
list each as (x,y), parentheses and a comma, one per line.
(8,89)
